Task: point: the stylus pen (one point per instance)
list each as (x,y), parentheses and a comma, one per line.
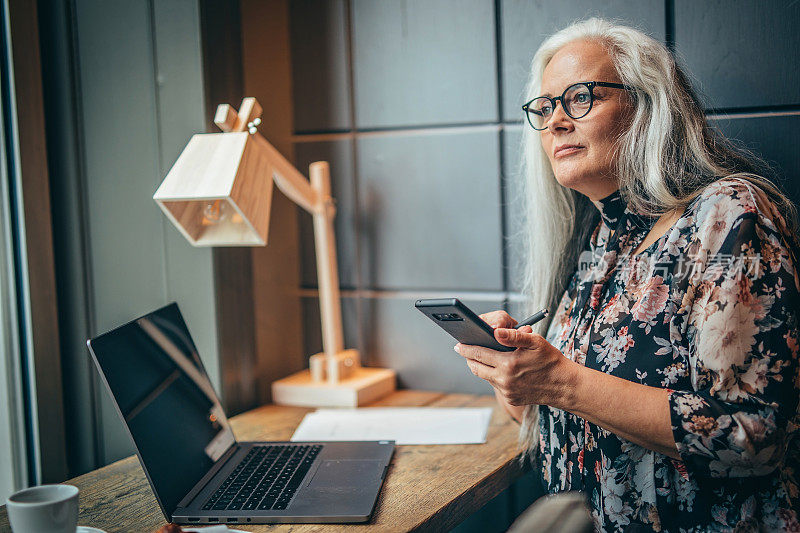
(533,319)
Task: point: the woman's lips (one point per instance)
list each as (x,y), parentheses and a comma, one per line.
(564,151)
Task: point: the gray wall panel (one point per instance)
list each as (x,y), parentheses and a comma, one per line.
(321,76)
(513,210)
(189,270)
(141,99)
(776,140)
(340,156)
(121,162)
(743,52)
(526,24)
(398,336)
(121,158)
(430,211)
(424,62)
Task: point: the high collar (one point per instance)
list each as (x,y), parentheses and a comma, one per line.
(611,208)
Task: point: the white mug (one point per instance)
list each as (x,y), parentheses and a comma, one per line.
(44,509)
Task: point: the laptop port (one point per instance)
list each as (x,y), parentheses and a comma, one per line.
(194,519)
(233,519)
(213,519)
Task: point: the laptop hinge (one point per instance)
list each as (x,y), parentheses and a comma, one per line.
(200,485)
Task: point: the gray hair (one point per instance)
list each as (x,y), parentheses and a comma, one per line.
(664,159)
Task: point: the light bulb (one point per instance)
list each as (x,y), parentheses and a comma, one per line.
(214,213)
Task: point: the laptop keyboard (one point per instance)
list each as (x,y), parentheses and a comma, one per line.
(266,478)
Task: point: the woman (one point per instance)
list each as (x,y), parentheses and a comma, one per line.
(667,386)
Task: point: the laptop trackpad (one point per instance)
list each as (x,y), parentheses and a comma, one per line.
(352,473)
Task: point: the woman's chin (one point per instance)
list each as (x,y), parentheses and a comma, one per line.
(572,180)
(589,184)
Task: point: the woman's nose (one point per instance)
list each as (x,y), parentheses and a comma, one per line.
(559,120)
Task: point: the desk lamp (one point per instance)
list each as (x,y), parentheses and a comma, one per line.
(219,192)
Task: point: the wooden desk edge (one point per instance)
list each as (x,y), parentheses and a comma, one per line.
(442,518)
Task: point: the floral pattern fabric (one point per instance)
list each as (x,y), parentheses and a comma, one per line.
(709,312)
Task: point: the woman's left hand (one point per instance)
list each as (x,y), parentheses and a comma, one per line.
(535,373)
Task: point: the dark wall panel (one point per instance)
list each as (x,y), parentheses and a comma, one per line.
(526,24)
(743,53)
(424,62)
(313,325)
(320,74)
(775,139)
(513,208)
(430,210)
(398,336)
(138,66)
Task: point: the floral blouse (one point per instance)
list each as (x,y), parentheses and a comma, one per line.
(709,312)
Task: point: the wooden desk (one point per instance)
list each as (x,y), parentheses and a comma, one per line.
(427,488)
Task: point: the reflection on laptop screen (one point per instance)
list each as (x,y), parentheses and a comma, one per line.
(153,370)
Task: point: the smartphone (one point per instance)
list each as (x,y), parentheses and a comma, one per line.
(460,322)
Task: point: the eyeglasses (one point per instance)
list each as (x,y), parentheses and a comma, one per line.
(576,101)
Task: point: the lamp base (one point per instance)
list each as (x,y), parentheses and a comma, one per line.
(365,385)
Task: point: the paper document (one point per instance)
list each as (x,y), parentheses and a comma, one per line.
(405,425)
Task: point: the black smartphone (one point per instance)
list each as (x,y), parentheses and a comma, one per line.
(460,322)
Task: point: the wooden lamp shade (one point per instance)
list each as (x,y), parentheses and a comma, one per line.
(218,193)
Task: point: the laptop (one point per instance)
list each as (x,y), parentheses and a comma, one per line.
(198,471)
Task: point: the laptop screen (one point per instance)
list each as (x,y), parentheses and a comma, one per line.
(166,399)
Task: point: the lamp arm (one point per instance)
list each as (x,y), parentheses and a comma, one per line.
(327,272)
(289,180)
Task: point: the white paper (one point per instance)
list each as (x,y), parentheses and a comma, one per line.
(405,425)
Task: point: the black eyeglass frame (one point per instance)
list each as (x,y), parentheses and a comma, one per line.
(588,84)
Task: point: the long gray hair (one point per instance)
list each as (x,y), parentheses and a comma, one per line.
(664,160)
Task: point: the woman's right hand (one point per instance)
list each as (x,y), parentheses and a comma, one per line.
(499,319)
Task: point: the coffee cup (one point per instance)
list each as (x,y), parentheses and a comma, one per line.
(44,509)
